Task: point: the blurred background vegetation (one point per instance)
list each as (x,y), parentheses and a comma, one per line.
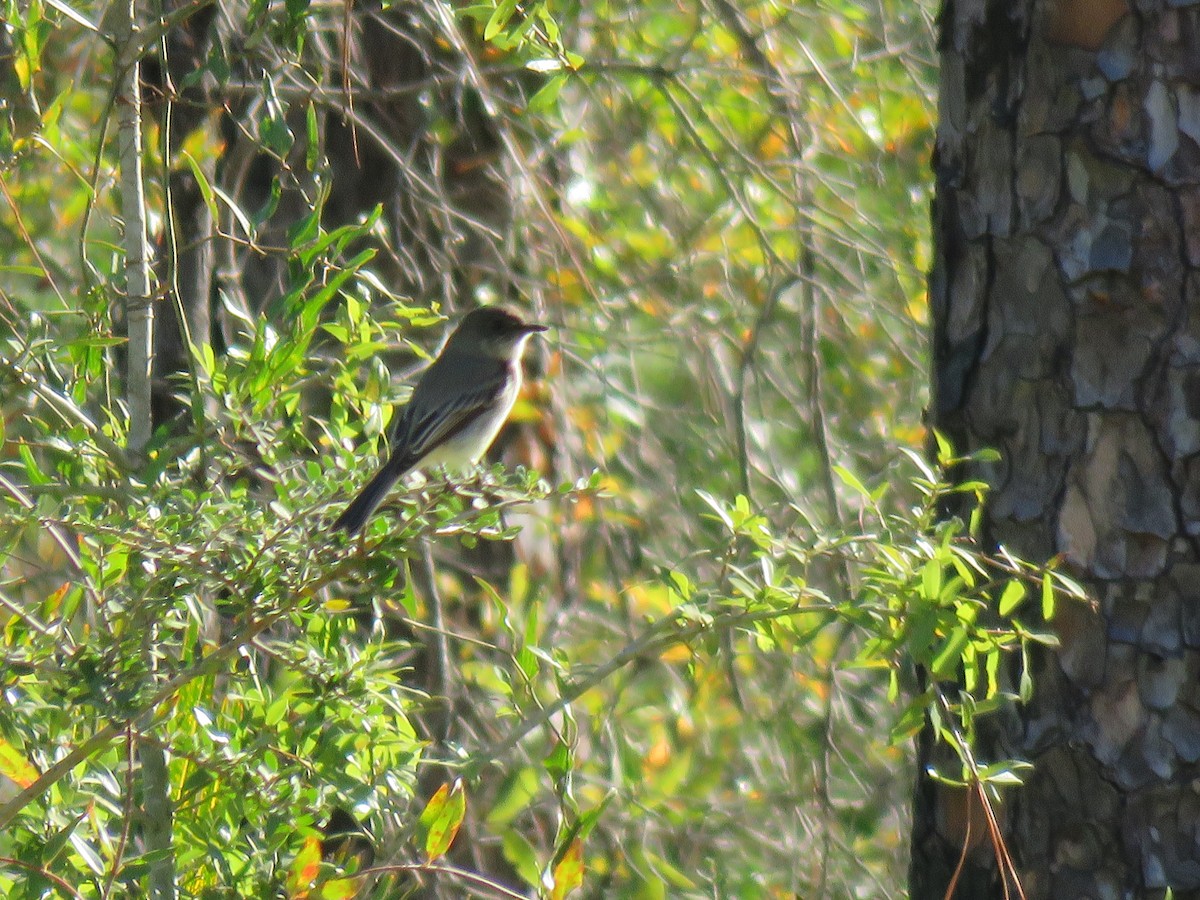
(642,660)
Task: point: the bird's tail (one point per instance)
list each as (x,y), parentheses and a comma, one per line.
(355,515)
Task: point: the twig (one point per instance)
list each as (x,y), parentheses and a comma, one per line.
(438,645)
(68,411)
(127,818)
(58,882)
(665,632)
(59,537)
(104,736)
(499,889)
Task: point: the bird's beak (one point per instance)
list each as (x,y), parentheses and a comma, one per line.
(530,328)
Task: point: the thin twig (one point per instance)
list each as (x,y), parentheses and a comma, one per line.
(58,882)
(60,537)
(103,737)
(666,632)
(438,682)
(473,877)
(127,818)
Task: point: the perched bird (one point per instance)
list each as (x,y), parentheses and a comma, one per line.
(457,407)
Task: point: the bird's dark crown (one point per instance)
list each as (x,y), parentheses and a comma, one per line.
(493,322)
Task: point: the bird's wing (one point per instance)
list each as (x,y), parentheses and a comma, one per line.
(429,420)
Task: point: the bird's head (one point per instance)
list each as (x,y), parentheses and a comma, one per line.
(494,330)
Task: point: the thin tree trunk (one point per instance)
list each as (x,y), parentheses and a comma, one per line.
(139,316)
(139,307)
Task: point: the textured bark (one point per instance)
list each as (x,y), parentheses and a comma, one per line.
(1066,306)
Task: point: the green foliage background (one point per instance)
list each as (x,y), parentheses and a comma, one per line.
(678,626)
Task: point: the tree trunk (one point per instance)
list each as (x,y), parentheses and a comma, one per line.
(1066,308)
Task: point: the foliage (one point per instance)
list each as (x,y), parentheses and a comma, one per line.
(680,661)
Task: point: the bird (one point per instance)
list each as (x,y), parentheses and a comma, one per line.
(457,407)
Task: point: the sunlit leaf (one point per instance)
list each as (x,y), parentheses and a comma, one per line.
(441,818)
(568,872)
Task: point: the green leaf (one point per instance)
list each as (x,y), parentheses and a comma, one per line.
(583,827)
(680,586)
(275,134)
(1070,585)
(970,666)
(910,723)
(518,791)
(499,19)
(1014,594)
(553,32)
(558,761)
(717,507)
(88,853)
(312,152)
(15,269)
(339,889)
(931,580)
(547,94)
(58,842)
(304,230)
(1006,773)
(202,182)
(1025,690)
(234,208)
(671,875)
(522,856)
(1047,597)
(991,663)
(950,653)
(945,451)
(851,481)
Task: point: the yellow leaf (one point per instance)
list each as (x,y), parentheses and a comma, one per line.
(568,874)
(15,766)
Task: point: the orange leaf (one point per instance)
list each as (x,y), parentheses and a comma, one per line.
(304,868)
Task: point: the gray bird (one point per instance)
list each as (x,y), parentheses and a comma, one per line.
(457,408)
